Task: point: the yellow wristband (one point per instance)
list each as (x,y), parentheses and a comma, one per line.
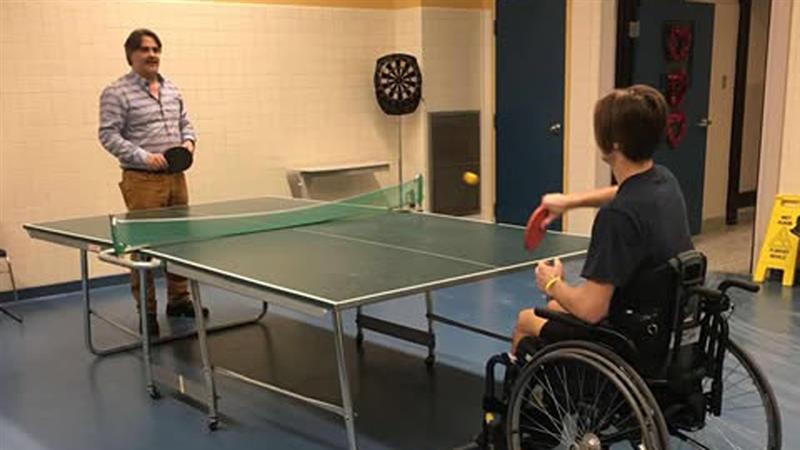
(550,284)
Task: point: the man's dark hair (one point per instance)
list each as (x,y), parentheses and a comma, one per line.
(634,118)
(134,41)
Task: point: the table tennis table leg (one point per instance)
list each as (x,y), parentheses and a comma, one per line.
(208,371)
(344,384)
(359,331)
(429,317)
(148,368)
(87,307)
(88,312)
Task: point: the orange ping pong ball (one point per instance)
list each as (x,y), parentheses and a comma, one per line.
(470,178)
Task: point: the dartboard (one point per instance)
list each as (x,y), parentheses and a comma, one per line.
(398,83)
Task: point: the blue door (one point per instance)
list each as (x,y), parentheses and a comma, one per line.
(530,105)
(650,66)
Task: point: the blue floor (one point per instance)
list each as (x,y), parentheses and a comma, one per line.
(54,394)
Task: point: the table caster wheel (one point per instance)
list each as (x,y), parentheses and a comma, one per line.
(360,341)
(153,392)
(213,424)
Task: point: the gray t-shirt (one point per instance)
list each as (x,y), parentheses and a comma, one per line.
(641,228)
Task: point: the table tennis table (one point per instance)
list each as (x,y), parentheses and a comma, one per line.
(318,269)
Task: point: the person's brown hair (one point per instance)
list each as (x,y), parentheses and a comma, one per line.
(634,118)
(134,41)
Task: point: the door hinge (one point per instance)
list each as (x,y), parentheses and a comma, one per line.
(494,121)
(633,29)
(494,27)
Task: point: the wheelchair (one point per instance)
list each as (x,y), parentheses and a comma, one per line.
(660,373)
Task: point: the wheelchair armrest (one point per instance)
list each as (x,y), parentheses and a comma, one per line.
(605,333)
(709,293)
(566,319)
(740,284)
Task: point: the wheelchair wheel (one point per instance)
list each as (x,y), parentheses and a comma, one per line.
(573,398)
(749,418)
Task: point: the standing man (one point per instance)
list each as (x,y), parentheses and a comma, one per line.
(142,114)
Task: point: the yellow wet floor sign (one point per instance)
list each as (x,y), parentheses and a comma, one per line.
(779,250)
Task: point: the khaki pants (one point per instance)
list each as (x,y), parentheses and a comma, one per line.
(147,190)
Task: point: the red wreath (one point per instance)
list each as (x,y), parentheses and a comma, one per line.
(679,42)
(677,83)
(676,128)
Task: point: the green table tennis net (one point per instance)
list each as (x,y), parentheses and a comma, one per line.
(130,233)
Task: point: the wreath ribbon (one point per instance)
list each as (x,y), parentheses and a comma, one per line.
(679,42)
(676,128)
(677,83)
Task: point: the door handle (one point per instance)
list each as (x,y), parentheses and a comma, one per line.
(704,122)
(555,129)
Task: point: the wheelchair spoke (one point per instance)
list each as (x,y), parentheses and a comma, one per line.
(598,394)
(689,440)
(570,405)
(751,392)
(726,430)
(748,418)
(723,432)
(583,420)
(546,431)
(539,402)
(551,393)
(555,422)
(605,423)
(609,411)
(612,426)
(729,373)
(744,378)
(533,425)
(621,435)
(742,408)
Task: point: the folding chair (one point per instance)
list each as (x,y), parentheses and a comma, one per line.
(10,271)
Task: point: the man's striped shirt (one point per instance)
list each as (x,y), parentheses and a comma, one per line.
(133,123)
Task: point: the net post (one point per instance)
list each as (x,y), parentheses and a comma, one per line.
(419,198)
(119,247)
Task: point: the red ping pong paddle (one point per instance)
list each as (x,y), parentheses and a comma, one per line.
(178,159)
(534,231)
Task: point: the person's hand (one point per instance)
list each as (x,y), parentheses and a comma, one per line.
(156,161)
(556,205)
(546,272)
(188,145)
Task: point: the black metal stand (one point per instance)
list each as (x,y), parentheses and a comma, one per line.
(10,314)
(4,256)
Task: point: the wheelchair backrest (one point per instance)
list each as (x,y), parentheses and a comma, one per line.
(660,314)
(690,270)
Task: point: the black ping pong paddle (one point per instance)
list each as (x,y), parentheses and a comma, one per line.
(178,159)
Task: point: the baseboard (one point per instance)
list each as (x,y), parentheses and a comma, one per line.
(64,288)
(743,214)
(712,224)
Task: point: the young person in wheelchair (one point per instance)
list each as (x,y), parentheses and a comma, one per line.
(619,361)
(641,223)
